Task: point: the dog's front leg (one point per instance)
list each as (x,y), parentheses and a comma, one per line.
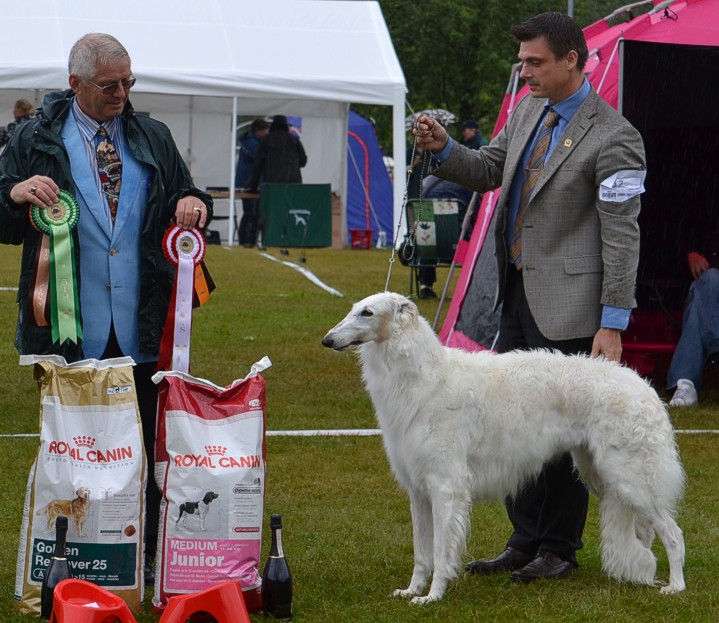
(422,540)
(450,516)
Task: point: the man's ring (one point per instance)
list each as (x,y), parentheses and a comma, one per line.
(197,209)
(33,190)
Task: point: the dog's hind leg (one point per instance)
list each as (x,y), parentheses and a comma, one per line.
(624,556)
(673,539)
(422,535)
(450,516)
(644,532)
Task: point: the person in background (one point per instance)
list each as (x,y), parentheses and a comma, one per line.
(88,140)
(249,144)
(567,250)
(699,339)
(22,112)
(471,136)
(280,156)
(437,188)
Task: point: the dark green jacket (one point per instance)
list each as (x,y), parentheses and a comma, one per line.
(37,149)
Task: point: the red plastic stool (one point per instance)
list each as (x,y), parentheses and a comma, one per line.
(72,599)
(222,601)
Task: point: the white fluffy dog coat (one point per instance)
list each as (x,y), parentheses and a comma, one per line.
(461,426)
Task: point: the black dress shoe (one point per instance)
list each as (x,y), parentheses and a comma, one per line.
(149,572)
(509,560)
(545,565)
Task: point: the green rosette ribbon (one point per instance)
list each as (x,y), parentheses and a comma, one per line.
(58,221)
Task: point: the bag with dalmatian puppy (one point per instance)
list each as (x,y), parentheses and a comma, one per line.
(210,466)
(90,467)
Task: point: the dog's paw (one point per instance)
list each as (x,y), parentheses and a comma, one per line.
(404,592)
(671,590)
(427,599)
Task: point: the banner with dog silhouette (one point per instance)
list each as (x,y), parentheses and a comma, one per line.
(210,466)
(90,467)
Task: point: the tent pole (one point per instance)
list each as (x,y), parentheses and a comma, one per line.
(233,148)
(609,63)
(399,153)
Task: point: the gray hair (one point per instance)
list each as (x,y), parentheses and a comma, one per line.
(93,51)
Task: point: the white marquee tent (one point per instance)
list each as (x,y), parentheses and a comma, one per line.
(200,63)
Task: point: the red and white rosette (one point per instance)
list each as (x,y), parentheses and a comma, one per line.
(185,249)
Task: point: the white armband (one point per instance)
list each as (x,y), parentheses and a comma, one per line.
(622,185)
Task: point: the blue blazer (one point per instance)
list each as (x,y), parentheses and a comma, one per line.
(109,256)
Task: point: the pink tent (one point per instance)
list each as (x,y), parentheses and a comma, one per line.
(664,52)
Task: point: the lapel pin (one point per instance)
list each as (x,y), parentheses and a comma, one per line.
(568,142)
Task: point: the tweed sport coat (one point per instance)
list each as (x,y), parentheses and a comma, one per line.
(578,251)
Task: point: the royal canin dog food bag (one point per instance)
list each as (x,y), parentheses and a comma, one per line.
(90,467)
(210,466)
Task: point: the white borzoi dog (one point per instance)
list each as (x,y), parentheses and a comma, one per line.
(460,426)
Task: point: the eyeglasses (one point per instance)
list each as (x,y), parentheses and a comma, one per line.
(126,85)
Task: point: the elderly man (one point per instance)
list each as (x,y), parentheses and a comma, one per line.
(571,170)
(130,182)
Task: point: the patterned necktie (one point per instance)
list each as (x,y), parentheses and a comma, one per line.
(109,168)
(535,164)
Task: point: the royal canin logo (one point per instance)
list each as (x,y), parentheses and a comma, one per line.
(83,450)
(216,457)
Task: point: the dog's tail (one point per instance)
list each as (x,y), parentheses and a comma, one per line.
(182,510)
(624,553)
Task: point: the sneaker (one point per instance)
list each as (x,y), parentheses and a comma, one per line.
(426,292)
(685,396)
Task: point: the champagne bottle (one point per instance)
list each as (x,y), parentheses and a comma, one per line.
(276,577)
(57,571)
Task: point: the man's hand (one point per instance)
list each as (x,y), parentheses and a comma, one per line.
(608,342)
(190,212)
(430,134)
(37,190)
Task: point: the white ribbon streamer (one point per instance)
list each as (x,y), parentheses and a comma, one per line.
(183,313)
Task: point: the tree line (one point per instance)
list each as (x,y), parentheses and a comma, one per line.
(457,54)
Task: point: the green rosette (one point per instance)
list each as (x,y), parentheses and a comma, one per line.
(58,221)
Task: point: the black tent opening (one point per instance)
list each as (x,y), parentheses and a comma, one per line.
(669,94)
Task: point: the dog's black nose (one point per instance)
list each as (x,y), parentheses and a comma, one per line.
(328,342)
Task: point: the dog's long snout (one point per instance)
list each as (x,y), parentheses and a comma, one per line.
(328,341)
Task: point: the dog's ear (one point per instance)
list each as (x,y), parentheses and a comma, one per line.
(406,312)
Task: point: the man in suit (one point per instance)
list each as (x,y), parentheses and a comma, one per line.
(124,280)
(571,170)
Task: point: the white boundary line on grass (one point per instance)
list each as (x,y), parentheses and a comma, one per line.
(307,273)
(7,289)
(353,432)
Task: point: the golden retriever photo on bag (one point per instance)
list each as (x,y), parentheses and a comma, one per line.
(75,510)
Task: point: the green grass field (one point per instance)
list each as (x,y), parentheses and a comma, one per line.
(347,527)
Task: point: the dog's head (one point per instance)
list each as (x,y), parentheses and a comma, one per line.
(209,496)
(374,319)
(83,493)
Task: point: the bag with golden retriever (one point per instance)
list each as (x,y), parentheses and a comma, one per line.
(90,467)
(210,467)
